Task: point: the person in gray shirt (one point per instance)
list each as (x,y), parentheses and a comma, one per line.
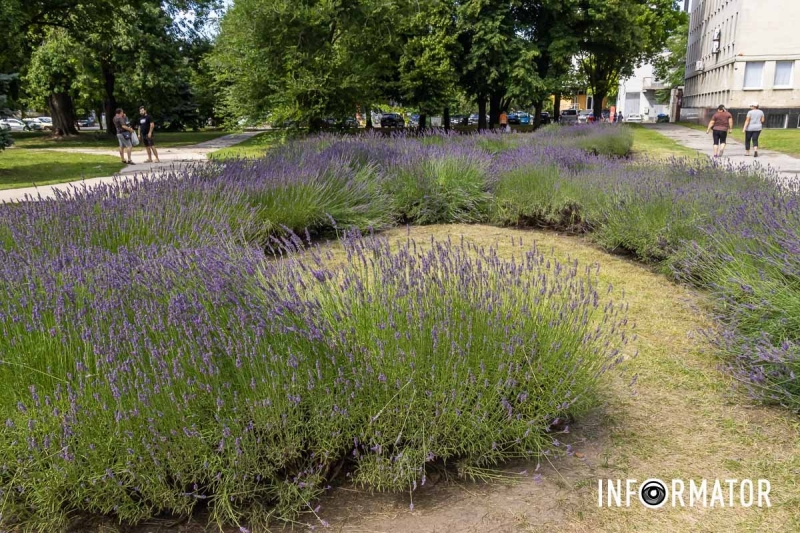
(753,125)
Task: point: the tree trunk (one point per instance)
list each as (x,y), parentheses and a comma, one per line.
(423,119)
(62,111)
(494,109)
(446,118)
(537,109)
(110,102)
(597,106)
(557,107)
(482,114)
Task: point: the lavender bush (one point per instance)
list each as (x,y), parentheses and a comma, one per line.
(153,379)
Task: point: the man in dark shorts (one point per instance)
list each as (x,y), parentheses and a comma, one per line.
(123,136)
(146,127)
(721,123)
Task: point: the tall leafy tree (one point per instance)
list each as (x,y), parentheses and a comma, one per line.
(427,65)
(618,35)
(671,65)
(306,59)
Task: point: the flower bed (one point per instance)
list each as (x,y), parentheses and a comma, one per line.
(164,344)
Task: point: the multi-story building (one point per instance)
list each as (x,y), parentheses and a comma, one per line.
(637,95)
(744,51)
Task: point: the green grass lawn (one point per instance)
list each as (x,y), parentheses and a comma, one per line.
(255,147)
(25,168)
(95,139)
(650,143)
(786,141)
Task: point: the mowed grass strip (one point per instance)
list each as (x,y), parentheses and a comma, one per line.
(786,141)
(97,139)
(26,168)
(257,146)
(680,420)
(649,143)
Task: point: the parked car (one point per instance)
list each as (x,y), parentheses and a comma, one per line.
(392,120)
(545,117)
(32,124)
(459,120)
(473,119)
(413,120)
(524,119)
(569,116)
(586,116)
(13,124)
(634,117)
(513,118)
(86,122)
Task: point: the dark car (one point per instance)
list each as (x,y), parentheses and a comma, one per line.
(544,117)
(86,122)
(513,118)
(459,120)
(392,120)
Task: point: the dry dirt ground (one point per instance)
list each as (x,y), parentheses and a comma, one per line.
(682,419)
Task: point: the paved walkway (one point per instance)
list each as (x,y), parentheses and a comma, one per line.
(788,167)
(171,159)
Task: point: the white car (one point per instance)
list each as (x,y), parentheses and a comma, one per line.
(634,117)
(585,116)
(12,124)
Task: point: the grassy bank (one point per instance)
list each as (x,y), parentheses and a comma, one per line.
(648,143)
(26,168)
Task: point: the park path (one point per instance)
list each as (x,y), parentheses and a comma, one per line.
(172,159)
(788,167)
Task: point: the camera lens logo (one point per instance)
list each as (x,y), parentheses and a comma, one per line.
(653,493)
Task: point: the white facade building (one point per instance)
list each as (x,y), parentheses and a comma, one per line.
(744,51)
(637,94)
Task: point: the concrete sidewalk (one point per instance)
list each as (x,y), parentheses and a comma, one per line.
(788,167)
(172,159)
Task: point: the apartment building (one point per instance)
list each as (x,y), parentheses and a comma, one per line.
(637,94)
(744,51)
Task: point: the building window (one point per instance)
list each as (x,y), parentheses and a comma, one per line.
(753,74)
(777,120)
(783,74)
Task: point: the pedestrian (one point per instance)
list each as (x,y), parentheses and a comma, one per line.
(753,125)
(146,127)
(619,117)
(503,120)
(124,133)
(721,123)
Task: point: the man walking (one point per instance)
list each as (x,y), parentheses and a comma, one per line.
(146,127)
(721,123)
(753,125)
(123,136)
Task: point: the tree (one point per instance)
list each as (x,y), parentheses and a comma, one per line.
(59,74)
(5,82)
(671,66)
(618,36)
(305,60)
(427,65)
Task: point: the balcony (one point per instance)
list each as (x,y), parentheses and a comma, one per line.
(652,84)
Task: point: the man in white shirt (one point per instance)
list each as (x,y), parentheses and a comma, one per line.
(753,125)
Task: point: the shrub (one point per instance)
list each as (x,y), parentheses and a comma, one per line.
(146,381)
